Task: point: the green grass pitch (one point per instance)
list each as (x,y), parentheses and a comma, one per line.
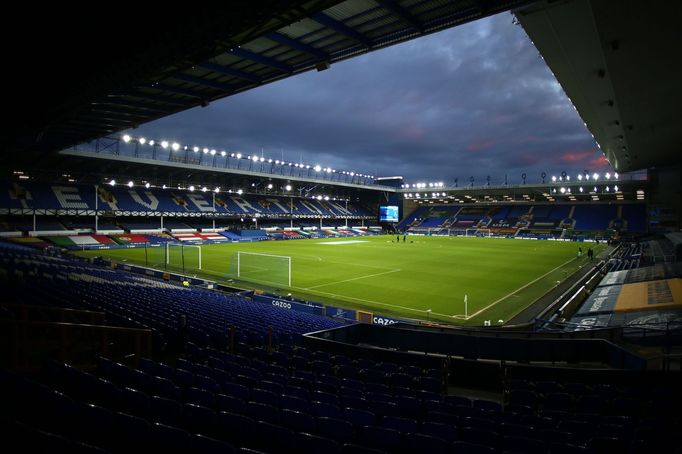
(423,278)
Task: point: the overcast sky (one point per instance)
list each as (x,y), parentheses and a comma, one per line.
(475,100)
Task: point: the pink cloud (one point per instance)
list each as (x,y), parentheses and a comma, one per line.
(479,146)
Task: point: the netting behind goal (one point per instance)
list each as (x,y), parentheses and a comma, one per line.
(181,258)
(273,270)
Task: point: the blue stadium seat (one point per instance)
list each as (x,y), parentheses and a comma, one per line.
(313,444)
(335,429)
(297,421)
(206,445)
(445,432)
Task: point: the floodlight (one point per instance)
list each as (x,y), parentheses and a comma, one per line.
(151,142)
(317,168)
(164,186)
(204,189)
(615,175)
(307,166)
(580,177)
(217,189)
(239,155)
(186,147)
(352,174)
(615,188)
(269,185)
(607,175)
(195,149)
(126,138)
(553,178)
(223,153)
(175,146)
(287,187)
(563,190)
(277,161)
(142,140)
(595,176)
(164,144)
(581,189)
(607,189)
(130,184)
(146,185)
(191,188)
(212,152)
(205,150)
(269,161)
(254,157)
(112,182)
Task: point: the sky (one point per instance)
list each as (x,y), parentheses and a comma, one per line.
(475,100)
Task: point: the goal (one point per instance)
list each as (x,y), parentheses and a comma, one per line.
(477,232)
(182,257)
(261,268)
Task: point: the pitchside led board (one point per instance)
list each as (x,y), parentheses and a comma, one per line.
(388,213)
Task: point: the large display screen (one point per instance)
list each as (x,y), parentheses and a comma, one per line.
(388,213)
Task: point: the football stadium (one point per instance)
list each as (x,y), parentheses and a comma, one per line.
(165,295)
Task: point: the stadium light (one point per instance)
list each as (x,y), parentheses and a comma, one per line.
(175,146)
(126,138)
(151,142)
(352,174)
(164,144)
(142,140)
(112,182)
(254,157)
(615,175)
(563,190)
(240,192)
(607,175)
(164,186)
(262,159)
(607,189)
(317,168)
(277,161)
(615,188)
(205,150)
(553,179)
(195,149)
(580,177)
(239,155)
(223,153)
(269,185)
(213,152)
(185,147)
(595,176)
(580,189)
(146,185)
(269,161)
(191,188)
(217,189)
(568,178)
(307,166)
(204,189)
(130,184)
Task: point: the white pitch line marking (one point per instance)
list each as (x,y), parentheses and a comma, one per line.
(352,279)
(519,289)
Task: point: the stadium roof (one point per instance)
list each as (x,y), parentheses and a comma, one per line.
(618,63)
(87,78)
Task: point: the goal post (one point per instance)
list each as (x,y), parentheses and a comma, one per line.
(261,268)
(477,232)
(182,256)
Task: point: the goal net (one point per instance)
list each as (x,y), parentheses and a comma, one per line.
(477,232)
(183,258)
(261,268)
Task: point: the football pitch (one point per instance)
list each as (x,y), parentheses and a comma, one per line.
(423,278)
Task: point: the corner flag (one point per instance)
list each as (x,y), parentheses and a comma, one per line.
(466,300)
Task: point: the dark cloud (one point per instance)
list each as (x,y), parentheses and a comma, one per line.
(475,100)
